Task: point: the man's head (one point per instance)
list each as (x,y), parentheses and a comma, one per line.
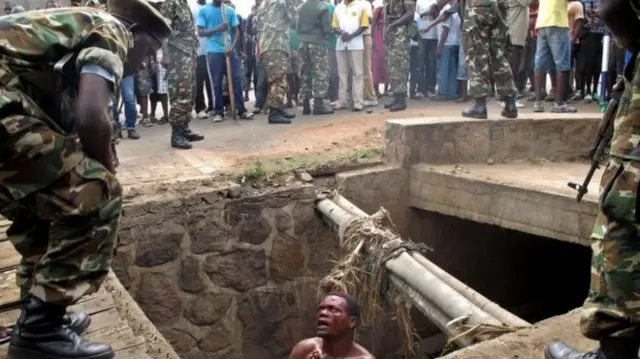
(51,4)
(17,9)
(92,3)
(76,3)
(146,24)
(202,2)
(338,315)
(7,8)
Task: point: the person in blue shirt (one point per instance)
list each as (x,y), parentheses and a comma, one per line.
(210,25)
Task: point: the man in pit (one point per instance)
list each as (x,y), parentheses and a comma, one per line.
(337,319)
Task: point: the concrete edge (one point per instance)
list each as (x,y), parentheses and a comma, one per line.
(157,345)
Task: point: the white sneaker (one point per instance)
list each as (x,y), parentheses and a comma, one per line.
(202,115)
(218,118)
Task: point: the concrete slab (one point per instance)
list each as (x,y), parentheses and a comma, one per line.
(440,140)
(530,343)
(527,197)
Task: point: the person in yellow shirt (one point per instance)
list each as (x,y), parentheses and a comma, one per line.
(553,47)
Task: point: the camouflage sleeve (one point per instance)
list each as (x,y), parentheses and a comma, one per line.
(410,6)
(106,46)
(291,12)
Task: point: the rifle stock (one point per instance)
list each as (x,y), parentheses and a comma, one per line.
(598,146)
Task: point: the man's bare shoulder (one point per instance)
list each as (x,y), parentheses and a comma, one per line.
(364,353)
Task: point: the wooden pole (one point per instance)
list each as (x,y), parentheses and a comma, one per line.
(232,99)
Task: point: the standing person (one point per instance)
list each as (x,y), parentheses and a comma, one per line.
(415,64)
(314,27)
(337,318)
(378,61)
(128,96)
(211,26)
(180,58)
(334,80)
(447,52)
(479,37)
(62,197)
(203,84)
(553,47)
(350,20)
(592,45)
(250,62)
(369,98)
(575,13)
(518,24)
(275,17)
(399,17)
(160,90)
(427,10)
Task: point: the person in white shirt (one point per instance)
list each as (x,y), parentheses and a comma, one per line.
(447,53)
(427,10)
(415,64)
(350,20)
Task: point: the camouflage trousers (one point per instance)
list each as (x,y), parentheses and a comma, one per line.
(64,222)
(485,41)
(277,66)
(398,59)
(612,308)
(181,82)
(314,81)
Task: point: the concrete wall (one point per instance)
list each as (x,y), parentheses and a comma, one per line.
(232,277)
(461,140)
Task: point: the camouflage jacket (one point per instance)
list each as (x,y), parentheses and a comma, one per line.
(180,17)
(397,8)
(274,19)
(626,126)
(32,44)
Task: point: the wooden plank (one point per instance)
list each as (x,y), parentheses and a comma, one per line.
(104,319)
(137,352)
(95,304)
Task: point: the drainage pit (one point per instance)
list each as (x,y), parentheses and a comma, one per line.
(227,274)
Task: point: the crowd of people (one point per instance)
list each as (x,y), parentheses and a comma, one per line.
(327,57)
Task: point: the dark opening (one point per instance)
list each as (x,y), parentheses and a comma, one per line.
(533,277)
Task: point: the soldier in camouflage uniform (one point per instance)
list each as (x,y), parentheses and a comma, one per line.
(274,19)
(399,15)
(314,28)
(484,28)
(179,56)
(57,183)
(611,313)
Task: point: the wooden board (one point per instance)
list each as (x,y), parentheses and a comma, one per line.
(9,258)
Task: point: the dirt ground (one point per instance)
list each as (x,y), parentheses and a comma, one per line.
(246,150)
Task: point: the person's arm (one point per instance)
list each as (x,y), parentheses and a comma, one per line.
(364,24)
(410,9)
(235,30)
(325,20)
(443,37)
(201,24)
(303,349)
(445,15)
(577,29)
(336,23)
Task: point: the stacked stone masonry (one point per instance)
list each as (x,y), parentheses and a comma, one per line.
(229,278)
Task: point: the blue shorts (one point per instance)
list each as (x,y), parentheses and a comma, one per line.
(462,68)
(553,47)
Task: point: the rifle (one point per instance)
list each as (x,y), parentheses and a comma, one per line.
(600,143)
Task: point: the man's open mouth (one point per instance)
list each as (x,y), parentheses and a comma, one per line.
(322,324)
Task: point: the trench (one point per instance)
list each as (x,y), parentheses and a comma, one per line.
(228,276)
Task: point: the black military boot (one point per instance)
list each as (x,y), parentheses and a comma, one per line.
(178,140)
(78,322)
(510,110)
(319,107)
(306,107)
(478,110)
(285,114)
(392,103)
(42,333)
(609,349)
(191,136)
(400,103)
(277,116)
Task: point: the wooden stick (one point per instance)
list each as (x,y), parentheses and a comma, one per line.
(228,60)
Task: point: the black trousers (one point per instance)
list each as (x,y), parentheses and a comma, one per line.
(202,82)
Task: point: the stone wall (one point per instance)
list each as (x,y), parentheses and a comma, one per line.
(230,278)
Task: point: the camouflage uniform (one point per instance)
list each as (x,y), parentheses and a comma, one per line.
(64,205)
(612,308)
(182,46)
(397,45)
(313,50)
(274,19)
(485,28)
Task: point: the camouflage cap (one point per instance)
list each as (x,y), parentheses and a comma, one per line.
(142,13)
